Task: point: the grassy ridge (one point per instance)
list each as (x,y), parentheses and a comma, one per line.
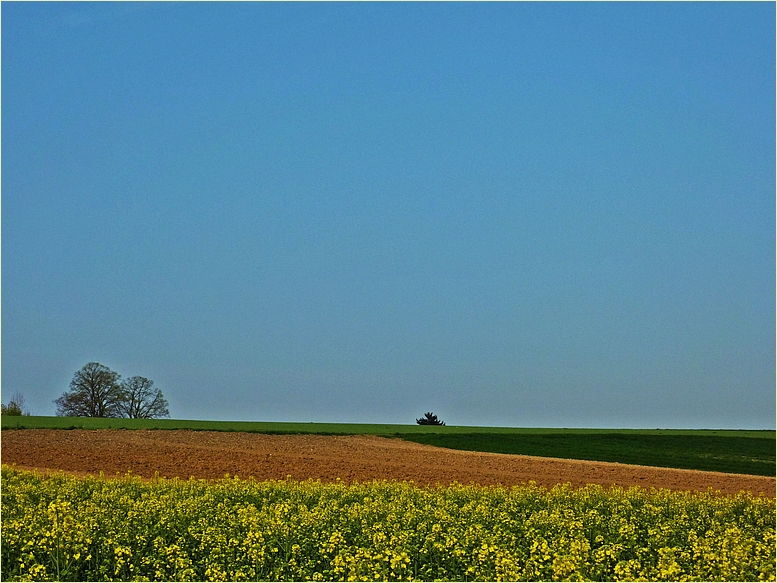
(28,422)
(732,451)
(390,429)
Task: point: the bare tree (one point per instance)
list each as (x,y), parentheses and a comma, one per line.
(94,392)
(140,400)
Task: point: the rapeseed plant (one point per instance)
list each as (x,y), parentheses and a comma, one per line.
(58,527)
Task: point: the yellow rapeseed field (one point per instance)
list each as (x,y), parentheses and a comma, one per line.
(69,528)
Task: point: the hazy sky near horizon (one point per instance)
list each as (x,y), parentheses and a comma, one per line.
(518,214)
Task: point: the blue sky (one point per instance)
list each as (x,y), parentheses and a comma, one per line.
(509,214)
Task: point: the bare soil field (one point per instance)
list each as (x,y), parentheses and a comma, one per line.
(209,454)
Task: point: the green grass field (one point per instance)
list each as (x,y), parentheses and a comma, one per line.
(732,451)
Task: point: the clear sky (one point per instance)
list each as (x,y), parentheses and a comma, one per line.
(544,214)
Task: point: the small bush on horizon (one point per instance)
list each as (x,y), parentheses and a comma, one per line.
(429,419)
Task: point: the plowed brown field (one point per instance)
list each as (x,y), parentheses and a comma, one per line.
(208,454)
